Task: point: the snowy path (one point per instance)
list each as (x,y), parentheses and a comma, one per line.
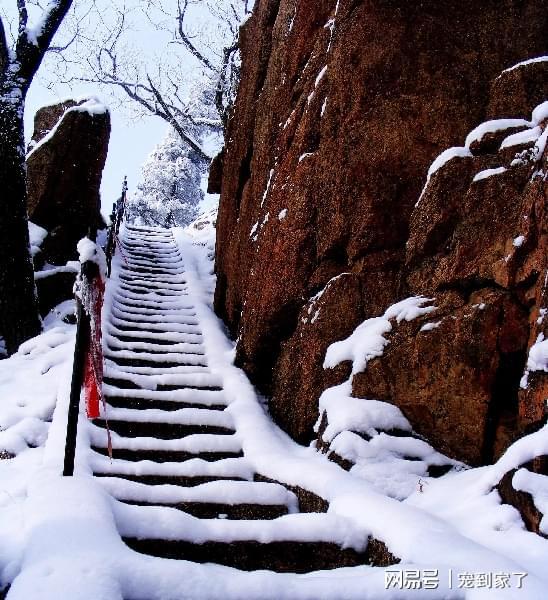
(201,475)
(177,450)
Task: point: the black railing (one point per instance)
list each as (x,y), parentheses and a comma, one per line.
(116,218)
(89,271)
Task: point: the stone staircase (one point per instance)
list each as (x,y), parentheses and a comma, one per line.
(178,464)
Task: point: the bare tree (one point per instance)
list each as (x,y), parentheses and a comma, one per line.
(161,86)
(19,62)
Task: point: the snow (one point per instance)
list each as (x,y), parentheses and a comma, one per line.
(215,492)
(486,173)
(522,137)
(324,106)
(305,155)
(92,105)
(536,485)
(527,62)
(267,189)
(367,341)
(518,241)
(538,355)
(477,134)
(540,113)
(282,214)
(442,160)
(37,235)
(430,326)
(36,366)
(320,76)
(61,536)
(89,251)
(356,414)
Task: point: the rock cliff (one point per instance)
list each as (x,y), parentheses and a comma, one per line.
(65,163)
(342,108)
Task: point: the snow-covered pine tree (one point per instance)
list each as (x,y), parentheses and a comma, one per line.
(170,190)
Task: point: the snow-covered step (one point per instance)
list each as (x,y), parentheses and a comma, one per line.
(172,265)
(187,473)
(191,325)
(156,370)
(291,543)
(155,382)
(188,318)
(154,259)
(151,299)
(186,416)
(165,425)
(204,397)
(157,271)
(138,346)
(232,499)
(159,280)
(127,306)
(155,339)
(148,250)
(205,446)
(147,403)
(126,359)
(151,284)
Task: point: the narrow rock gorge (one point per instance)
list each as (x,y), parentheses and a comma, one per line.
(331,212)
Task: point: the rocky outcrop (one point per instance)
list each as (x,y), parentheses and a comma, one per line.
(341,110)
(65,164)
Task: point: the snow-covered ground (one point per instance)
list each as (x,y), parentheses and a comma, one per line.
(60,538)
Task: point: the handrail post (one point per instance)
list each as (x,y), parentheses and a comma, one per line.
(83,331)
(82,338)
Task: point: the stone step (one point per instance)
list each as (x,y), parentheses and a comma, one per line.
(168,290)
(130,269)
(140,328)
(183,348)
(137,362)
(282,557)
(153,340)
(161,431)
(135,279)
(144,403)
(162,456)
(209,510)
(184,481)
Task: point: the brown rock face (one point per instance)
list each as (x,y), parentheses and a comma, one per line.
(341,109)
(64,174)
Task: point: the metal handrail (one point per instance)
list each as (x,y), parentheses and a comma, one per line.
(116,218)
(88,272)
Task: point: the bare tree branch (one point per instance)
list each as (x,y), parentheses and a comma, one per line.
(30,52)
(4,51)
(181,12)
(177,126)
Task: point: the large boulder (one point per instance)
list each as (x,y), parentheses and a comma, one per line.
(341,109)
(65,165)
